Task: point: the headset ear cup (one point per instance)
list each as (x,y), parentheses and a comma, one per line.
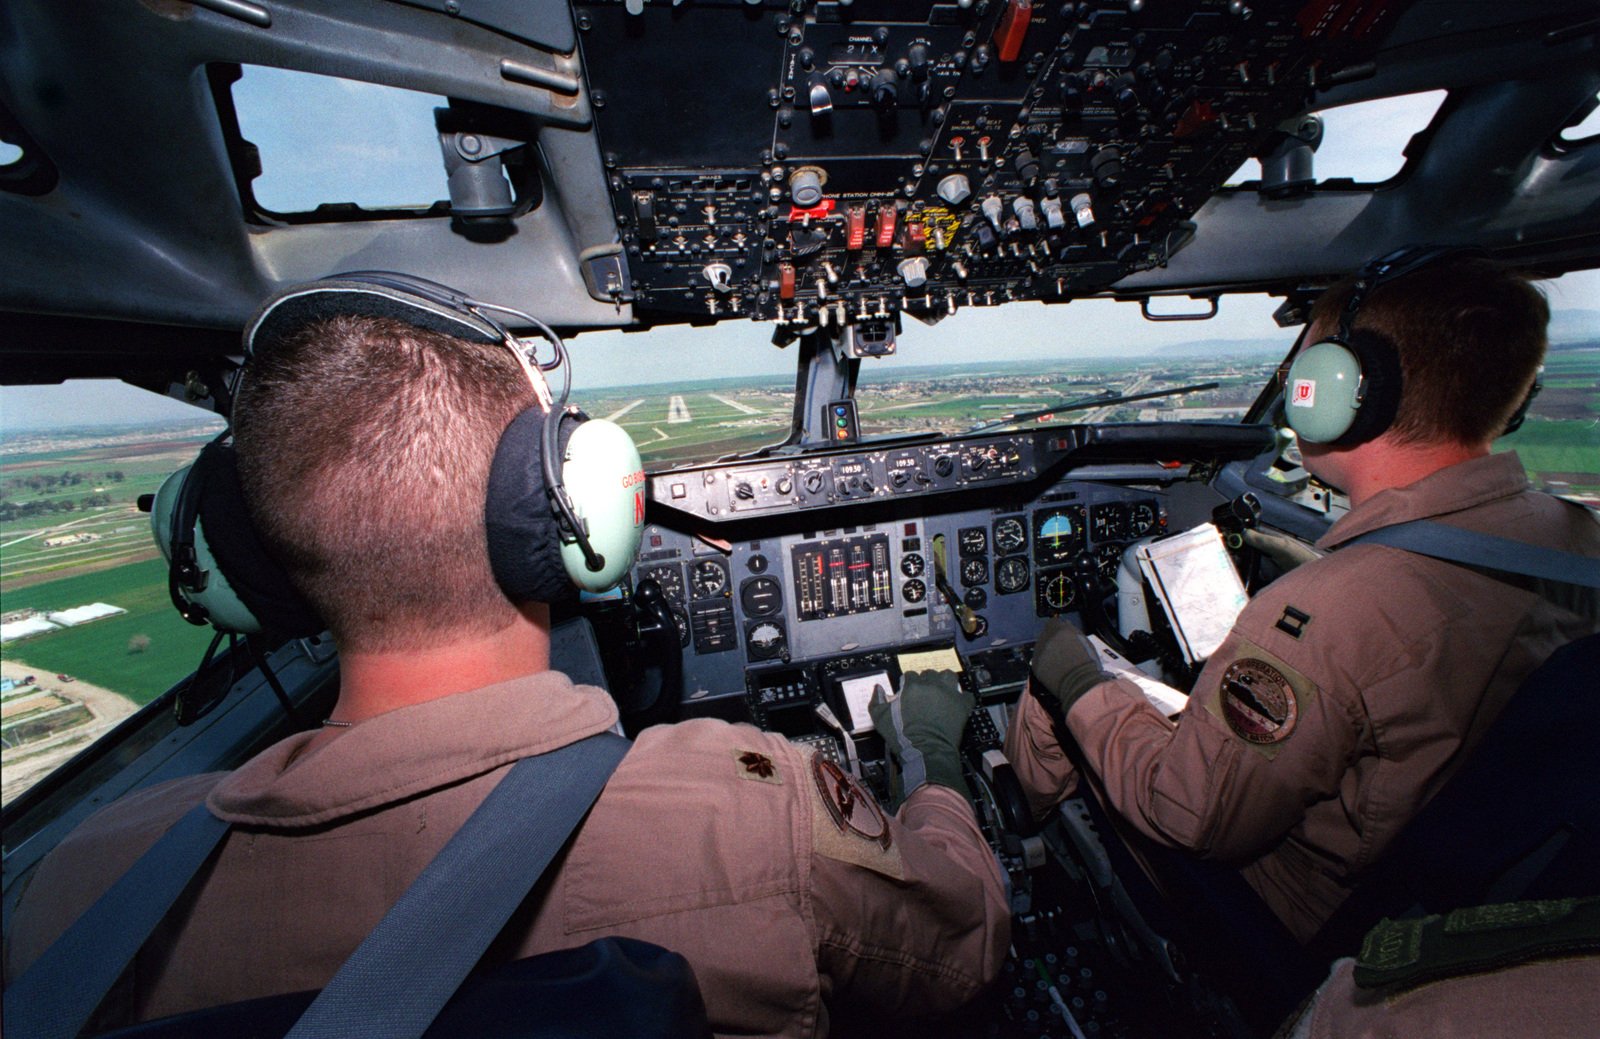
(233,583)
(524,539)
(259,581)
(1343,393)
(1380,369)
(604,479)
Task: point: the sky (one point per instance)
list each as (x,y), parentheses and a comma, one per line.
(349,141)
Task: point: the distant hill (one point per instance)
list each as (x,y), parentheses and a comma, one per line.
(1223,347)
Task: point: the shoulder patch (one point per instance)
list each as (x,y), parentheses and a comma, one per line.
(1260,698)
(847,822)
(756,766)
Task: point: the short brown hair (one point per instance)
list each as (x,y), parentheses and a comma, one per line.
(364,447)
(1471,336)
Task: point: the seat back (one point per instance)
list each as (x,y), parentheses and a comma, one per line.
(1519,820)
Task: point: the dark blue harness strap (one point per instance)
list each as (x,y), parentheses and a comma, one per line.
(54,998)
(1457,545)
(401,976)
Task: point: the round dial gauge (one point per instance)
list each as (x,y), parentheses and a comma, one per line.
(911,565)
(974,571)
(708,577)
(973,541)
(1009,536)
(914,590)
(681,619)
(975,598)
(670,578)
(765,640)
(1108,522)
(761,596)
(1108,558)
(1142,517)
(1011,575)
(1058,592)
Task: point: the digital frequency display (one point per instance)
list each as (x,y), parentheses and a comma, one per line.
(841,576)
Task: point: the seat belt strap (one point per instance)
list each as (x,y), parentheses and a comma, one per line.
(55,997)
(1458,545)
(404,972)
(401,976)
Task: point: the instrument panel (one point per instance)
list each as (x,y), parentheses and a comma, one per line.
(786,604)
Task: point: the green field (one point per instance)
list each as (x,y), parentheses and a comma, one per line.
(99,651)
(119,567)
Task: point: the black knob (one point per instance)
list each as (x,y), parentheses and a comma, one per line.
(899,478)
(917,58)
(743,491)
(813,482)
(944,465)
(784,485)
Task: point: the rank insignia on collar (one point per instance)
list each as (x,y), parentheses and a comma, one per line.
(1293,622)
(756,766)
(851,807)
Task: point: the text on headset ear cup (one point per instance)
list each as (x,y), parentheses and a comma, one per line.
(604,478)
(524,538)
(1343,393)
(240,587)
(599,466)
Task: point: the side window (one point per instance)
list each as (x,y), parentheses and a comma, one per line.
(1559,442)
(88,634)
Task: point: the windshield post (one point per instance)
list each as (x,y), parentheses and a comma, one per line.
(826,373)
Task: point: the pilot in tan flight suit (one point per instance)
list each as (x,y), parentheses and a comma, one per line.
(365,445)
(1350,688)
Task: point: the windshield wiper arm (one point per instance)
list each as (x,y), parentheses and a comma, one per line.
(1085,403)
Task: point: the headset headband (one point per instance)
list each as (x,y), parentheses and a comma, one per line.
(1390,267)
(437,308)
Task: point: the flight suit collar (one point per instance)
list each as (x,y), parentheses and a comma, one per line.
(1464,485)
(410,751)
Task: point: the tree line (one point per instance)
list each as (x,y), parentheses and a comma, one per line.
(47,483)
(10,510)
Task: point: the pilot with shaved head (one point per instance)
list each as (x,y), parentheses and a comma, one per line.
(1349,689)
(365,438)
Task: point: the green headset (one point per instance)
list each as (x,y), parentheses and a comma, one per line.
(1344,390)
(565,502)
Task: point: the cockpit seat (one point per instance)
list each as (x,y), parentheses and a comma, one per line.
(1519,821)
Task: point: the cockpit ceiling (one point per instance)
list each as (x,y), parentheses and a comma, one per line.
(797,162)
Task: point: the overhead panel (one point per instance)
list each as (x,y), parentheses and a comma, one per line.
(829,163)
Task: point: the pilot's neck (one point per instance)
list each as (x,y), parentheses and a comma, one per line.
(372,683)
(1386,463)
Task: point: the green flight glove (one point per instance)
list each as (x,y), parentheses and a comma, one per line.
(1065,665)
(922,727)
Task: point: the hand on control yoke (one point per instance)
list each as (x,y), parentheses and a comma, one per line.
(1065,665)
(922,726)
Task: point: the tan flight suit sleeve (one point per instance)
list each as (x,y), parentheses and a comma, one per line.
(1223,789)
(916,925)
(1047,777)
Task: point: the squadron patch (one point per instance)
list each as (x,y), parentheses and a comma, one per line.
(753,765)
(848,823)
(1258,703)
